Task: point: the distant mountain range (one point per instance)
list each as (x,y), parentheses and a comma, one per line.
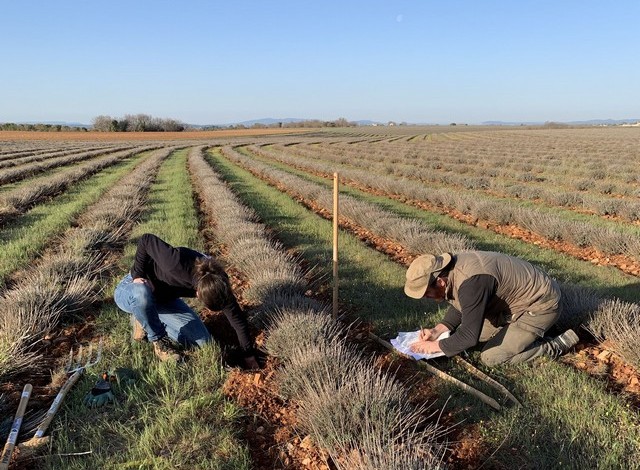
(53,123)
(272,121)
(367,122)
(591,122)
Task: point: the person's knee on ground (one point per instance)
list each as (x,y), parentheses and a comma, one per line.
(509,345)
(186,338)
(494,356)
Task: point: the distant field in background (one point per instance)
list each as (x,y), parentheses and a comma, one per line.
(138,136)
(565,199)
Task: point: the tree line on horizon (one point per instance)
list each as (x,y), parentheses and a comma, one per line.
(147,123)
(137,123)
(38,127)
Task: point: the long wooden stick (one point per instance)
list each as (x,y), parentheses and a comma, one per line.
(335,244)
(56,403)
(438,373)
(484,377)
(15,428)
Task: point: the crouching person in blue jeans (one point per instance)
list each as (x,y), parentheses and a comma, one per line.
(152,291)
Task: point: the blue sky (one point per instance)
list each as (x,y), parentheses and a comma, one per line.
(419,61)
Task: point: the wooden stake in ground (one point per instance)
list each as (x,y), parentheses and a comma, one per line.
(335,245)
(15,428)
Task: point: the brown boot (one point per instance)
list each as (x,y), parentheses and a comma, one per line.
(166,350)
(138,333)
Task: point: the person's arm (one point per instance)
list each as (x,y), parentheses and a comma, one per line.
(239,323)
(473,295)
(452,318)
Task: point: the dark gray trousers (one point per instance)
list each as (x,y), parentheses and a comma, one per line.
(519,341)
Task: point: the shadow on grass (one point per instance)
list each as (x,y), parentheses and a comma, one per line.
(371,286)
(606,282)
(551,430)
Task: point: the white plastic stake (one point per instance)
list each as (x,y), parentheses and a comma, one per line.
(15,428)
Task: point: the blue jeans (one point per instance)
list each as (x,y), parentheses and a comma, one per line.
(171,317)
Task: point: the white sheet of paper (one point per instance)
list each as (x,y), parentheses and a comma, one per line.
(405,339)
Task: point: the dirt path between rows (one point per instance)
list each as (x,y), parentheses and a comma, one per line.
(598,360)
(624,263)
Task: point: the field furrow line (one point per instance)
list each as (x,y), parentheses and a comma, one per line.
(66,280)
(15,202)
(24,171)
(580,305)
(602,245)
(12,161)
(278,284)
(616,201)
(584,435)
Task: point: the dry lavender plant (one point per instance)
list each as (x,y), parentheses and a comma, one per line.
(349,404)
(607,236)
(64,281)
(14,202)
(618,322)
(416,235)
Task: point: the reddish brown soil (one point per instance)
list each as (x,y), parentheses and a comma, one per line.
(600,361)
(142,136)
(270,425)
(624,263)
(467,449)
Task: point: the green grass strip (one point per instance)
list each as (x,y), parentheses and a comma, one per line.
(379,298)
(606,281)
(568,419)
(26,237)
(175,416)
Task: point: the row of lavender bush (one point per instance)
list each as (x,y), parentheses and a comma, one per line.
(359,415)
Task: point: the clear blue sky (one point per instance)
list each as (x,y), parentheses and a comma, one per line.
(419,61)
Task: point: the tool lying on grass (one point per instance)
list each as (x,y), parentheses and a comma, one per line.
(15,428)
(470,368)
(76,368)
(101,393)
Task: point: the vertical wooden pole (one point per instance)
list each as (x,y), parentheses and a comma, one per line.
(335,244)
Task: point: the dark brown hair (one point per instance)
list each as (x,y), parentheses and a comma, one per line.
(213,287)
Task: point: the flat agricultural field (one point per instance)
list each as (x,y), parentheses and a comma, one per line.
(329,395)
(138,136)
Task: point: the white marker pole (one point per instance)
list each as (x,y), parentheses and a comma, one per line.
(15,428)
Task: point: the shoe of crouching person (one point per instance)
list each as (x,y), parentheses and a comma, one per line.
(138,334)
(563,343)
(167,350)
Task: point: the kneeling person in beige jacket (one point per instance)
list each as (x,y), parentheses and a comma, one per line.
(494,298)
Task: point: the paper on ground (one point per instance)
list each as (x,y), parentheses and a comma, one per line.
(405,339)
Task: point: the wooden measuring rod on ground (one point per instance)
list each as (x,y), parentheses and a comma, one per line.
(458,383)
